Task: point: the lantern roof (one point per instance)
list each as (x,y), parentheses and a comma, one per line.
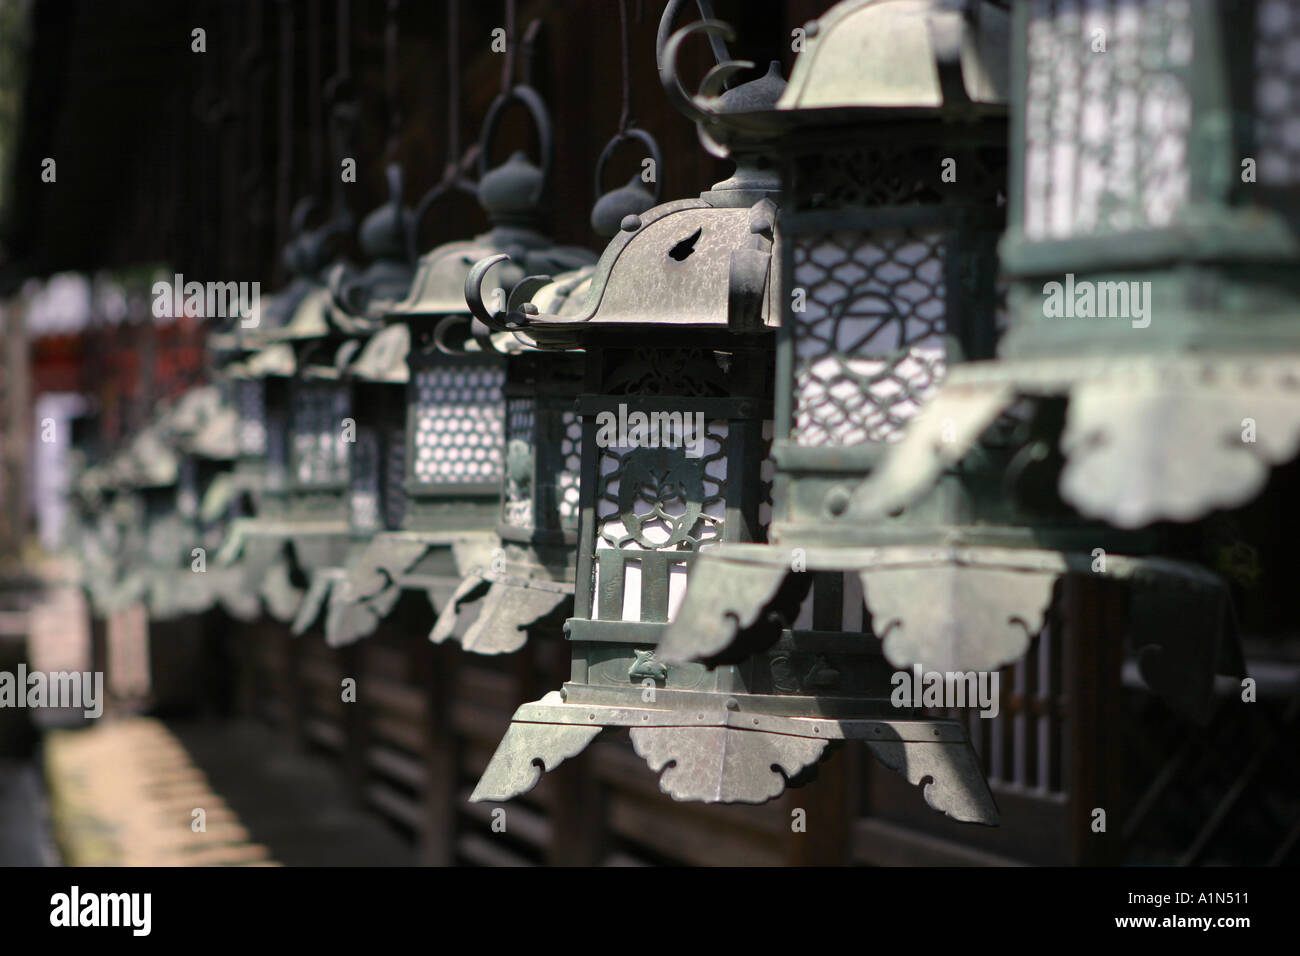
(924,54)
(683,264)
(383,357)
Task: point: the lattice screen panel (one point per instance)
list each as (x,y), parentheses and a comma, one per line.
(1277,92)
(320,450)
(645,507)
(869,345)
(394,477)
(251,395)
(364,495)
(569,485)
(521,424)
(1099,157)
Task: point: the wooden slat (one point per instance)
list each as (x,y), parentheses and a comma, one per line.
(394,804)
(324,732)
(881,843)
(522,822)
(399,766)
(485,852)
(679,835)
(391,697)
(400,732)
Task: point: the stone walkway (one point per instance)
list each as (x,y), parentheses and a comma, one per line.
(125,792)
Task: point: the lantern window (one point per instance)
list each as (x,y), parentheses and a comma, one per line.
(869,344)
(394,478)
(319,446)
(1277,92)
(365,480)
(1106,135)
(571,469)
(655,508)
(251,395)
(459,424)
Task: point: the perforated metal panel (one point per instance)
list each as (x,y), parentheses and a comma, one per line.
(187,491)
(767,477)
(320,451)
(277,446)
(364,493)
(521,425)
(1106,133)
(1277,92)
(459,425)
(251,395)
(395,477)
(869,343)
(658,502)
(570,481)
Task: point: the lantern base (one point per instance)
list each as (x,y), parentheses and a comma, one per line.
(954,608)
(718,751)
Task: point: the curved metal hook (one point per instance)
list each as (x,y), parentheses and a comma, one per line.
(393,173)
(474,294)
(715,81)
(531,99)
(343,289)
(652,147)
(689,105)
(302,211)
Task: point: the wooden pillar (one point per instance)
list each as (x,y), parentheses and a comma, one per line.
(1092,621)
(437,668)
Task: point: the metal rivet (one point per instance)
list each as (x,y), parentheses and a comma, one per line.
(630,223)
(811,28)
(837,500)
(733,704)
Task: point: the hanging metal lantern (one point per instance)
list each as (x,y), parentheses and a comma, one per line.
(453,463)
(356,593)
(189,520)
(695,281)
(288,412)
(897,268)
(528,587)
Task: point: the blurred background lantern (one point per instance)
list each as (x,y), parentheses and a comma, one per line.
(293,447)
(530,586)
(456,408)
(371,368)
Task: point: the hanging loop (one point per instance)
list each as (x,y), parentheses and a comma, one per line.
(652,147)
(532,100)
